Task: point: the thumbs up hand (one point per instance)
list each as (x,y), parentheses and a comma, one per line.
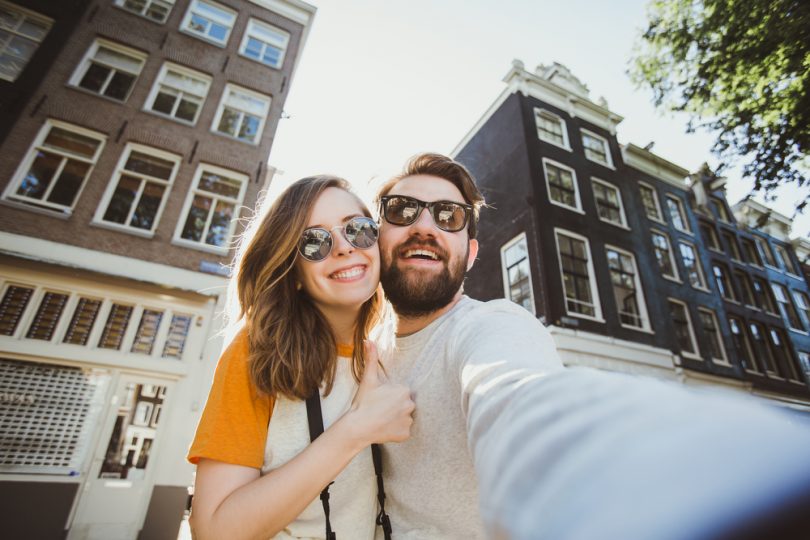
(381,411)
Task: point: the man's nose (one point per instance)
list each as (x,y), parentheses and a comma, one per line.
(424,223)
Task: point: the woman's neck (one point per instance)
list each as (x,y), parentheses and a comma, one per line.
(343,324)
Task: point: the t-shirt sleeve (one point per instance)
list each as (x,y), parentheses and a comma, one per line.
(233,426)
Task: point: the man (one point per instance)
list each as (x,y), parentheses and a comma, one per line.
(558,453)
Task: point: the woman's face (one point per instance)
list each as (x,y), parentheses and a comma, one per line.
(348,276)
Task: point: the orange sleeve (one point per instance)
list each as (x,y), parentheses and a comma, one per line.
(233,426)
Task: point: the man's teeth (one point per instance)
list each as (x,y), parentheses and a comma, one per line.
(348,274)
(421,253)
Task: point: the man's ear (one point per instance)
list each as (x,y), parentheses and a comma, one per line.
(473,253)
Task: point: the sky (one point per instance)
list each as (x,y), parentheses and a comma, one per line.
(380,81)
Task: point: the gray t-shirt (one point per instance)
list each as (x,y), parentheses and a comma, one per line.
(430,479)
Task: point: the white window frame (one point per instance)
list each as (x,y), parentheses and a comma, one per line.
(25,165)
(597,306)
(505,270)
(643,314)
(721,209)
(272,28)
(660,219)
(98,218)
(676,278)
(622,217)
(156,86)
(734,246)
(781,291)
(769,361)
(87,61)
(681,212)
(713,241)
(539,111)
(577,198)
(588,133)
(724,360)
(195,4)
(147,4)
(782,256)
(764,249)
(230,87)
(699,266)
(26,14)
(802,304)
(695,355)
(731,294)
(745,335)
(194,190)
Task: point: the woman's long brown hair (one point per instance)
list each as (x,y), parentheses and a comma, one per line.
(292,347)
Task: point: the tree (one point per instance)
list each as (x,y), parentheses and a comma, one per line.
(741,69)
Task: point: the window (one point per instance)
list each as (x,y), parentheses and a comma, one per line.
(663,254)
(81,324)
(803,305)
(264,43)
(762,351)
(781,353)
(54,171)
(561,183)
(783,257)
(608,202)
(694,272)
(113,333)
(720,209)
(157,10)
(47,316)
(178,332)
(804,361)
(209,21)
(751,253)
(147,331)
(732,249)
(684,333)
(677,214)
(742,345)
(708,321)
(21,32)
(517,279)
(596,148)
(649,199)
(723,283)
(763,297)
(551,128)
(178,93)
(709,236)
(789,312)
(109,70)
(744,286)
(13,305)
(765,251)
(579,282)
(241,114)
(211,208)
(134,199)
(627,289)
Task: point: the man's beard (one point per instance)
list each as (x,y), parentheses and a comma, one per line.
(414,295)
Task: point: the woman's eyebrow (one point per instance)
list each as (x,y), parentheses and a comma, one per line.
(344,220)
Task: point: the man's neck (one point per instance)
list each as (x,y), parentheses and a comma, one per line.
(410,325)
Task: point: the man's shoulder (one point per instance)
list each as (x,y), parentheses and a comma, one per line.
(483,315)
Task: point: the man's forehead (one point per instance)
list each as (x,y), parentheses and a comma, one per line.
(427,188)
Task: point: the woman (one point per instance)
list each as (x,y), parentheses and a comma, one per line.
(307,286)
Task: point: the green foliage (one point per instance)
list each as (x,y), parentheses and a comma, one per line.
(740,68)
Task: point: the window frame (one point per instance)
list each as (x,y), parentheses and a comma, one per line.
(539,111)
(802,304)
(112,185)
(786,307)
(231,87)
(184,24)
(149,103)
(749,246)
(577,197)
(681,212)
(722,282)
(746,289)
(785,353)
(693,355)
(643,315)
(670,251)
(718,334)
(147,3)
(730,239)
(771,368)
(782,257)
(711,239)
(739,322)
(26,163)
(507,286)
(720,211)
(87,60)
(177,239)
(605,145)
(765,253)
(769,305)
(26,14)
(594,290)
(704,286)
(660,219)
(246,35)
(622,216)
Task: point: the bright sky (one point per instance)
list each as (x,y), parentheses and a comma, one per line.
(380,81)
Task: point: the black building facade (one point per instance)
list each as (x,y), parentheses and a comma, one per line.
(635,264)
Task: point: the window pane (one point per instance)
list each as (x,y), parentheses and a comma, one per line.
(147,331)
(122,199)
(40,175)
(178,332)
(73,143)
(12,307)
(119,85)
(197,216)
(116,325)
(219,230)
(67,186)
(220,185)
(82,322)
(148,206)
(95,77)
(47,316)
(149,165)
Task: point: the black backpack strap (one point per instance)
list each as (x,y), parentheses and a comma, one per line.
(315,419)
(382,518)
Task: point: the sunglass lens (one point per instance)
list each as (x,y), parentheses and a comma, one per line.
(361,232)
(401,210)
(449,216)
(315,244)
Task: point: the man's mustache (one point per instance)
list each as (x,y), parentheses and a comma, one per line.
(416,243)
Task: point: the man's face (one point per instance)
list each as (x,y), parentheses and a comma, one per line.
(423,266)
